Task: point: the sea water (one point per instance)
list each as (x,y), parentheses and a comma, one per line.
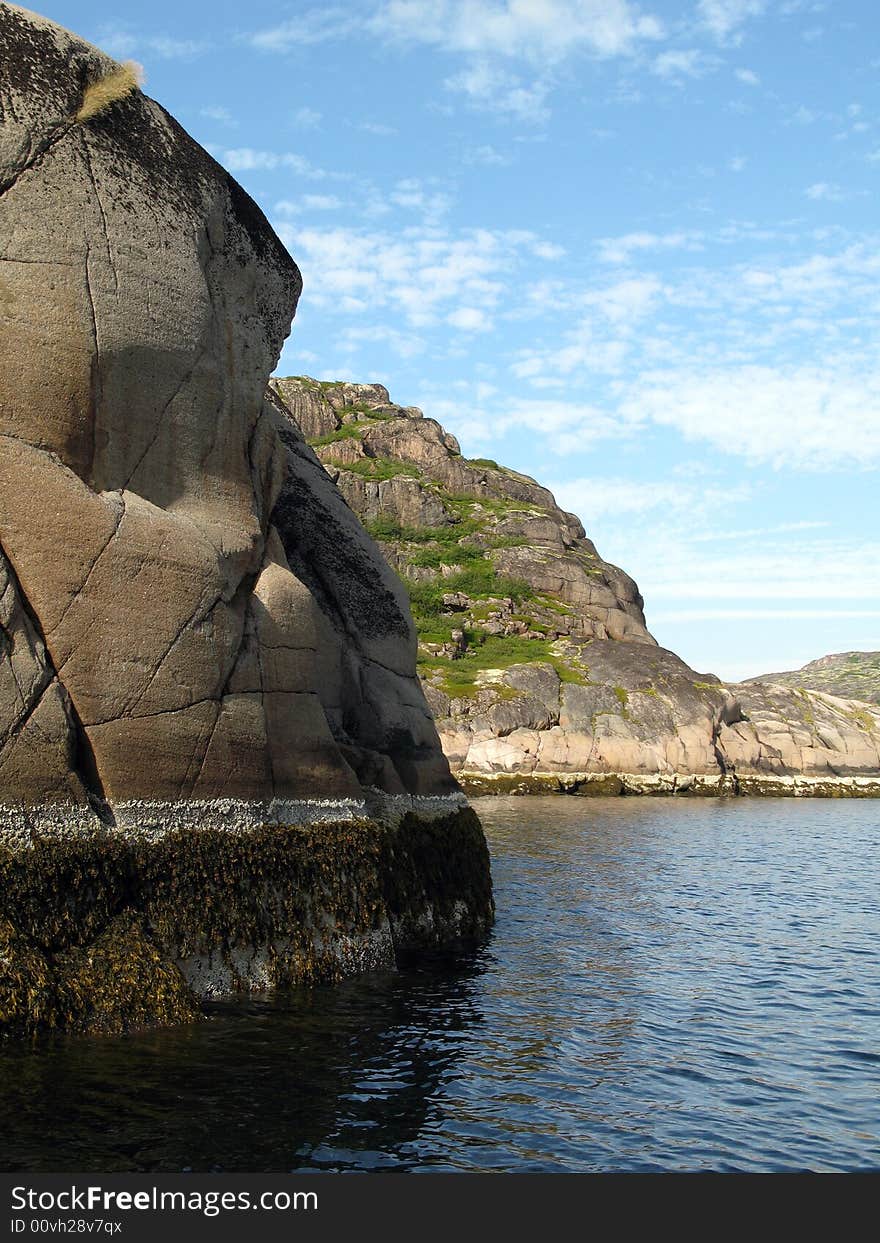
(672,984)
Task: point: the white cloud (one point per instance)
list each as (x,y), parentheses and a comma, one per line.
(308,202)
(486,155)
(377,128)
(620,250)
(593,498)
(413,195)
(830,570)
(422,275)
(747,76)
(252,159)
(675,65)
(489,86)
(306,118)
(752,411)
(120,41)
(309,27)
(222,115)
(627,301)
(469,319)
(405,345)
(544,31)
(737,163)
(704,615)
(825,191)
(723,18)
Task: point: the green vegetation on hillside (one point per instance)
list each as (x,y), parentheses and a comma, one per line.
(455,558)
(376,467)
(460,678)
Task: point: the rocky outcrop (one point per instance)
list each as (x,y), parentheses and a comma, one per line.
(644,722)
(534,654)
(195,631)
(847,675)
(435,511)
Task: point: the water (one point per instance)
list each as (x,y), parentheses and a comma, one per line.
(671,985)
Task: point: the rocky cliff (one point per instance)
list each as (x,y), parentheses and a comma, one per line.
(533,650)
(847,675)
(202,653)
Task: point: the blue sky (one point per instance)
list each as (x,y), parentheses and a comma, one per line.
(629,249)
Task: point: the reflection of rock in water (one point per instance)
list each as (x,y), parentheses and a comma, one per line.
(319,1078)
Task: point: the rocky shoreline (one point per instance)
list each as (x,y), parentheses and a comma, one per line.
(694,785)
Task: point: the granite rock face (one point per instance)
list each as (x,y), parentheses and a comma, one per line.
(195,604)
(534,654)
(193,624)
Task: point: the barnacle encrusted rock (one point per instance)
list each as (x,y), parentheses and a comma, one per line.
(195,632)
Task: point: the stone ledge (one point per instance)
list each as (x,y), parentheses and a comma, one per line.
(693,785)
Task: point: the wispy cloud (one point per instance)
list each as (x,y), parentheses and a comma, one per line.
(621,250)
(222,115)
(724,19)
(421,275)
(469,319)
(487,155)
(308,202)
(747,76)
(825,191)
(677,65)
(750,411)
(544,32)
(253,159)
(122,40)
(378,128)
(316,25)
(306,118)
(491,86)
(704,615)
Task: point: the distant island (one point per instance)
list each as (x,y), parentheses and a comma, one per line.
(849,675)
(534,652)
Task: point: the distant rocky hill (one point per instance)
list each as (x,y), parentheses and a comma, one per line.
(850,675)
(534,653)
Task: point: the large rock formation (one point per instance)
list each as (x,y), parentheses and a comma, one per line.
(196,634)
(533,650)
(847,675)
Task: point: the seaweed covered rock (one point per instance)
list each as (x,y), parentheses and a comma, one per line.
(195,631)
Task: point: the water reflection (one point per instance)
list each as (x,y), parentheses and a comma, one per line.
(310,1076)
(670,985)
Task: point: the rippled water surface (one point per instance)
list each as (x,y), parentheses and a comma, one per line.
(671,985)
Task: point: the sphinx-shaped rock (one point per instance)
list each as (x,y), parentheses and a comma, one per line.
(195,631)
